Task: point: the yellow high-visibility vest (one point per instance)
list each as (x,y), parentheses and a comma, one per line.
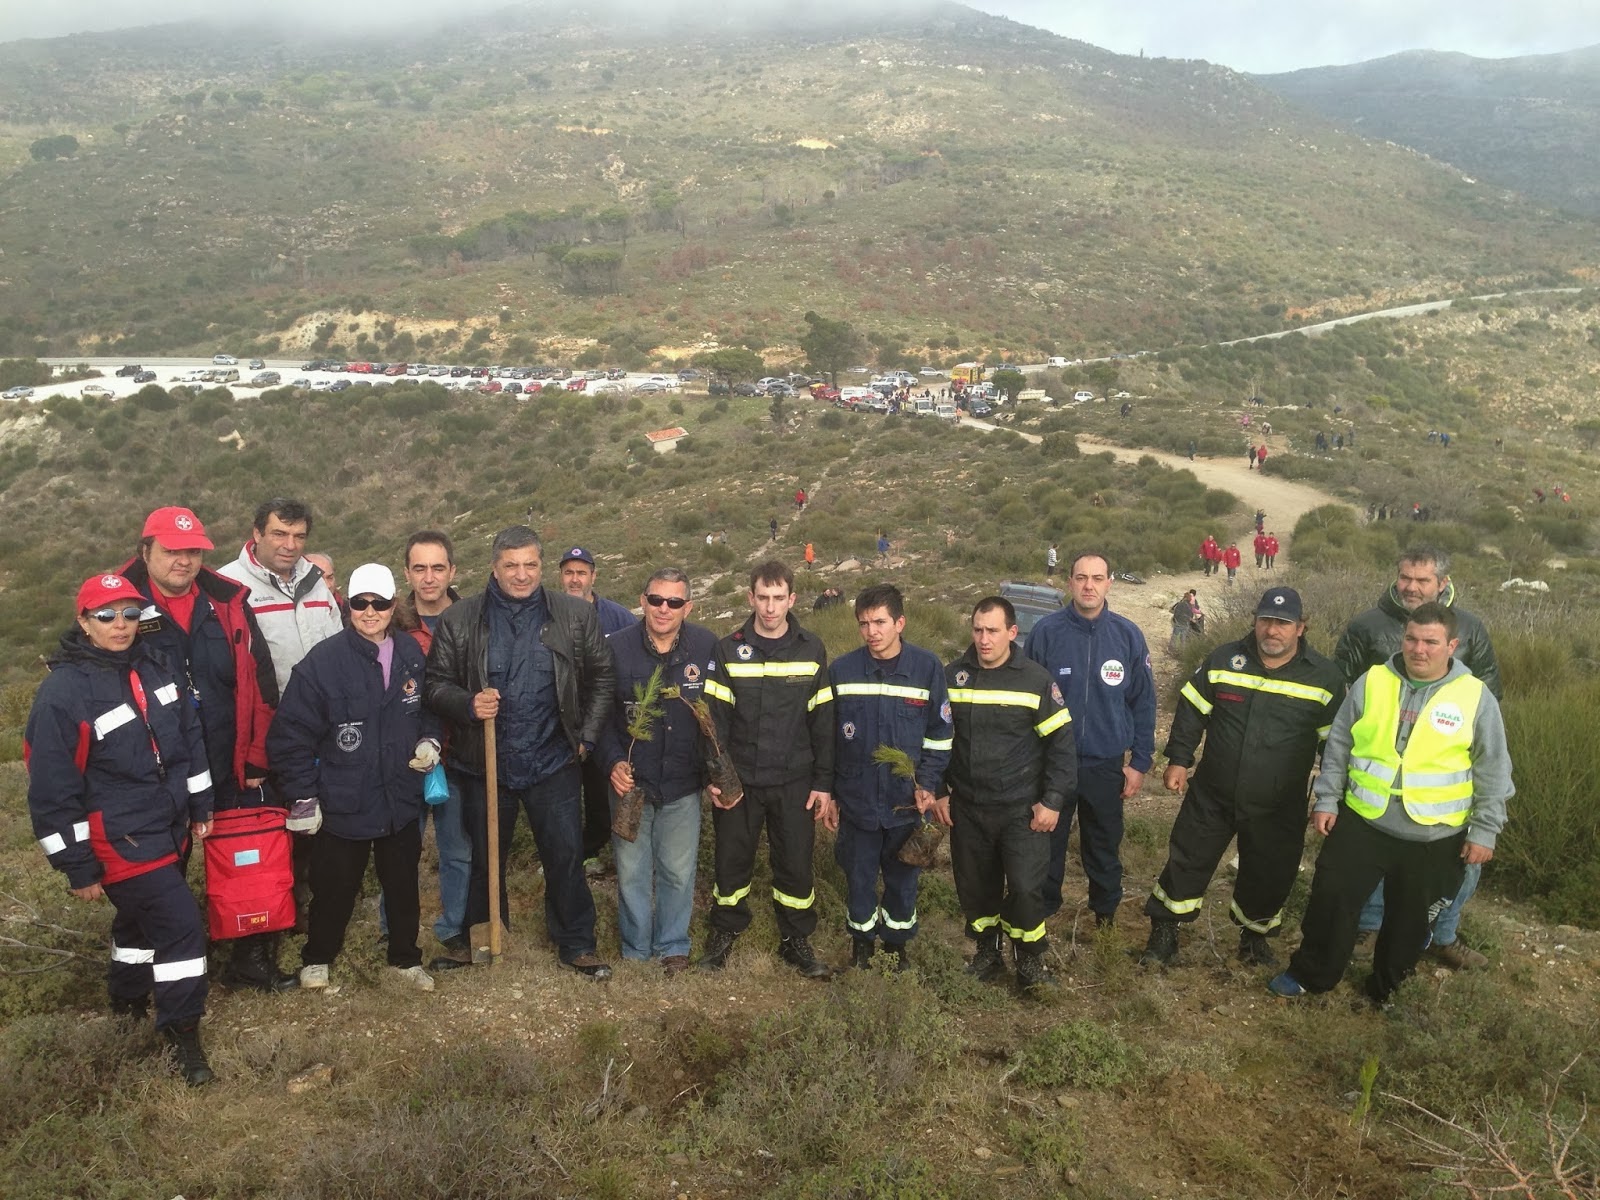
(1435,773)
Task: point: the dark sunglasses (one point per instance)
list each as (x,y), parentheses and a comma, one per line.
(672,602)
(362,603)
(107,615)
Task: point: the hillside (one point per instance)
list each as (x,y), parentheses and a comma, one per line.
(538,183)
(1522,124)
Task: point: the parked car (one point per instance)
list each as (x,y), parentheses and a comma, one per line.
(649,387)
(1055,360)
(1031,602)
(224,360)
(341,385)
(302,382)
(128,371)
(746,389)
(616,373)
(17,393)
(255,364)
(979,408)
(491,387)
(145,377)
(930,372)
(1082,397)
(96,389)
(580,384)
(325,385)
(266,379)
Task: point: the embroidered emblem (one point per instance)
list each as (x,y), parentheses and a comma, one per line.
(1237,662)
(348,738)
(745,652)
(962,676)
(1055,694)
(849,731)
(691,672)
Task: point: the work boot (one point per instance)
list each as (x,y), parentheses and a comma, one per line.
(861,952)
(1456,955)
(1105,920)
(1032,971)
(988,963)
(902,959)
(457,954)
(718,946)
(796,951)
(130,1006)
(1162,947)
(192,1064)
(588,964)
(1255,950)
(255,965)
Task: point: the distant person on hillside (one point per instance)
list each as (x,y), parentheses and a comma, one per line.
(1272,551)
(772,529)
(1230,559)
(1261,456)
(1251,454)
(1186,618)
(811,554)
(1260,547)
(883,546)
(1192,449)
(1374,637)
(1050,562)
(1101,663)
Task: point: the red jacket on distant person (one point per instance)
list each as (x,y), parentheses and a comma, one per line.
(1230,558)
(1210,551)
(1272,546)
(1261,544)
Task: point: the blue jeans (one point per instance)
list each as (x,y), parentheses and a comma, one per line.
(554,807)
(455,863)
(1444,925)
(662,859)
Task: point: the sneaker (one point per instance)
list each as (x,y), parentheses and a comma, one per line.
(1456,955)
(674,964)
(414,977)
(314,975)
(718,946)
(797,952)
(1255,950)
(1286,986)
(589,964)
(1162,947)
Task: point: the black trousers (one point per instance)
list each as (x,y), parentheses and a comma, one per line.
(1270,842)
(337,867)
(791,838)
(158,943)
(1098,805)
(1419,880)
(999,863)
(596,809)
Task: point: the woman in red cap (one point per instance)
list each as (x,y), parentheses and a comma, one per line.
(117,785)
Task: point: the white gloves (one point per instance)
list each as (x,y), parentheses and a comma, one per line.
(425,757)
(305,816)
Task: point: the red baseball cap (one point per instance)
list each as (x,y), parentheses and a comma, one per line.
(177,529)
(100,590)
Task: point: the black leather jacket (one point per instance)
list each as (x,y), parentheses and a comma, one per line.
(458,669)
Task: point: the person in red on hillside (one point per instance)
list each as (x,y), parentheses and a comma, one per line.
(1261,550)
(800,499)
(1272,551)
(1230,559)
(1261,457)
(1210,554)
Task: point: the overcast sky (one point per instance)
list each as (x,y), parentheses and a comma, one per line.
(1250,35)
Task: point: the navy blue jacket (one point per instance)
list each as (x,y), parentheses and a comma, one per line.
(672,763)
(105,806)
(908,709)
(344,738)
(613,617)
(1103,669)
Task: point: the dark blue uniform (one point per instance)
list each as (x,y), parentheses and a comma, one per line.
(900,703)
(116,775)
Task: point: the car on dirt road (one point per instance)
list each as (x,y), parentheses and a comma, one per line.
(128,371)
(1032,601)
(224,360)
(96,389)
(17,393)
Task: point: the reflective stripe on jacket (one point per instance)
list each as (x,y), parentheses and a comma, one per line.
(1433,775)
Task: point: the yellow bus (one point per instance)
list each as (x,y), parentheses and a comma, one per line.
(968,373)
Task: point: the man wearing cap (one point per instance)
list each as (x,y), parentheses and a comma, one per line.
(199,620)
(1263,705)
(291,602)
(577,579)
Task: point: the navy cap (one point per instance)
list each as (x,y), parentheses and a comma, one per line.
(577,553)
(1281,603)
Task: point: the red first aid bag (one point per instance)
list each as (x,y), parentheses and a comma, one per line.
(249,873)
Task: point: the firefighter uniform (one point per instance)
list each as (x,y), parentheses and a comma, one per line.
(1013,748)
(772,710)
(1262,728)
(900,703)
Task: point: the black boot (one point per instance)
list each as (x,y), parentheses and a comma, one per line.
(988,963)
(796,951)
(718,946)
(1163,945)
(130,1006)
(861,952)
(255,965)
(1255,950)
(458,954)
(902,959)
(1032,971)
(192,1062)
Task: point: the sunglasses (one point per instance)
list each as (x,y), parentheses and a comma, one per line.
(107,615)
(362,603)
(672,602)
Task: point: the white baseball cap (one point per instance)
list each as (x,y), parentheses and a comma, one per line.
(372,579)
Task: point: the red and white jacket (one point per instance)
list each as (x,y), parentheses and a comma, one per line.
(292,616)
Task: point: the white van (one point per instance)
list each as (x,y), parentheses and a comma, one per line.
(922,406)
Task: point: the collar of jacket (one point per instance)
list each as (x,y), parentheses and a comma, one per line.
(1397,664)
(791,632)
(969,658)
(304,581)
(406,616)
(650,642)
(534,601)
(76,647)
(1391,601)
(1088,623)
(213,586)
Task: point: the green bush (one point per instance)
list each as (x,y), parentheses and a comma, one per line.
(1080,1054)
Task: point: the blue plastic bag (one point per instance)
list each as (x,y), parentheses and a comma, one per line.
(435,787)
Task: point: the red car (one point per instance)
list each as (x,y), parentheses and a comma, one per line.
(396,369)
(578,385)
(490,388)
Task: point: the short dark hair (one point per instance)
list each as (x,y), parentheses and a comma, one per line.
(1083,554)
(430,537)
(288,511)
(881,595)
(671,575)
(1434,613)
(1417,555)
(514,537)
(770,572)
(990,603)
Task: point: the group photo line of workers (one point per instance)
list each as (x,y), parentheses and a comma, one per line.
(293,735)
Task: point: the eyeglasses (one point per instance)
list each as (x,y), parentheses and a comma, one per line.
(672,602)
(362,603)
(107,615)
